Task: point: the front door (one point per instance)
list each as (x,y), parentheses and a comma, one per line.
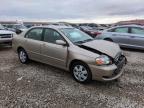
(120,35)
(53,53)
(137,37)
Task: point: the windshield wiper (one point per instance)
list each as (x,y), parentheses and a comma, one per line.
(87,40)
(80,42)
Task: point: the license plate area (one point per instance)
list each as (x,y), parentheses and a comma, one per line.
(120,65)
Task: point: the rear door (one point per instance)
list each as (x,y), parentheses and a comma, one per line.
(33,43)
(137,37)
(53,53)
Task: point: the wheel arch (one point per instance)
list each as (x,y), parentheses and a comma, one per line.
(77,60)
(89,77)
(108,39)
(20,47)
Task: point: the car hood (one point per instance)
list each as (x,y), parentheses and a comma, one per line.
(6,32)
(102,47)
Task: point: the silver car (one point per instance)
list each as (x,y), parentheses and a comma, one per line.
(130,36)
(72,50)
(5,35)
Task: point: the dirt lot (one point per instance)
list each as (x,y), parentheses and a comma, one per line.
(38,85)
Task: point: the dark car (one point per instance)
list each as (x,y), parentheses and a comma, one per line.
(90,31)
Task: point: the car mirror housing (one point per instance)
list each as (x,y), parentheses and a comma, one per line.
(61,42)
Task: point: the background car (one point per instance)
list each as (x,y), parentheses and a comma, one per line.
(5,35)
(73,50)
(17,28)
(59,24)
(75,26)
(130,36)
(95,26)
(89,30)
(28,25)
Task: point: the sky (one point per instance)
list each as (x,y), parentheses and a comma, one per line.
(97,11)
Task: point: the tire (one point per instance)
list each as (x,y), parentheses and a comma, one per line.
(81,72)
(23,57)
(18,31)
(110,40)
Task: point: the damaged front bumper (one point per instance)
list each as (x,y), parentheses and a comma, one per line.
(108,73)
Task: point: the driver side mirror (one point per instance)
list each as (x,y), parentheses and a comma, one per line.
(61,42)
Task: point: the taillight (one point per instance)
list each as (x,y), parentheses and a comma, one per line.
(92,32)
(99,33)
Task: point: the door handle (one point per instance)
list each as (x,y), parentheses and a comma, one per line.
(132,36)
(114,34)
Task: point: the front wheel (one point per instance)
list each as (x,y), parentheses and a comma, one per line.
(81,72)
(23,57)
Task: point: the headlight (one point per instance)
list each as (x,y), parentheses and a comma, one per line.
(103,60)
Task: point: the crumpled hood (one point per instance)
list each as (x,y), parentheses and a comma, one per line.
(109,48)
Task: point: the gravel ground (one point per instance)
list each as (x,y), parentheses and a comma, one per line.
(37,85)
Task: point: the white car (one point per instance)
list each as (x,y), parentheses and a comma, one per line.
(5,35)
(17,28)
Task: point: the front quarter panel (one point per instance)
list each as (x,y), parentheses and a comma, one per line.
(76,53)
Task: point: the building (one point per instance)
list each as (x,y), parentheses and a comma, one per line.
(138,22)
(24,22)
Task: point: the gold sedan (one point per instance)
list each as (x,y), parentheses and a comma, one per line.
(72,50)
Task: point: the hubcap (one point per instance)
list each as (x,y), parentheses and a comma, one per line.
(80,72)
(22,56)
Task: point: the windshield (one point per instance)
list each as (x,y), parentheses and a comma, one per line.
(1,27)
(76,35)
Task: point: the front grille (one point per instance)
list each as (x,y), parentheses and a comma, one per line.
(120,60)
(5,36)
(119,57)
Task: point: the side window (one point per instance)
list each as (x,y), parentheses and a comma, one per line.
(137,31)
(121,30)
(35,34)
(51,36)
(91,25)
(111,30)
(14,27)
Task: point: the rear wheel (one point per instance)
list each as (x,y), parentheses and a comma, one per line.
(23,57)
(81,72)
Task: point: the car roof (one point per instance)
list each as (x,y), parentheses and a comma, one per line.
(54,27)
(132,25)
